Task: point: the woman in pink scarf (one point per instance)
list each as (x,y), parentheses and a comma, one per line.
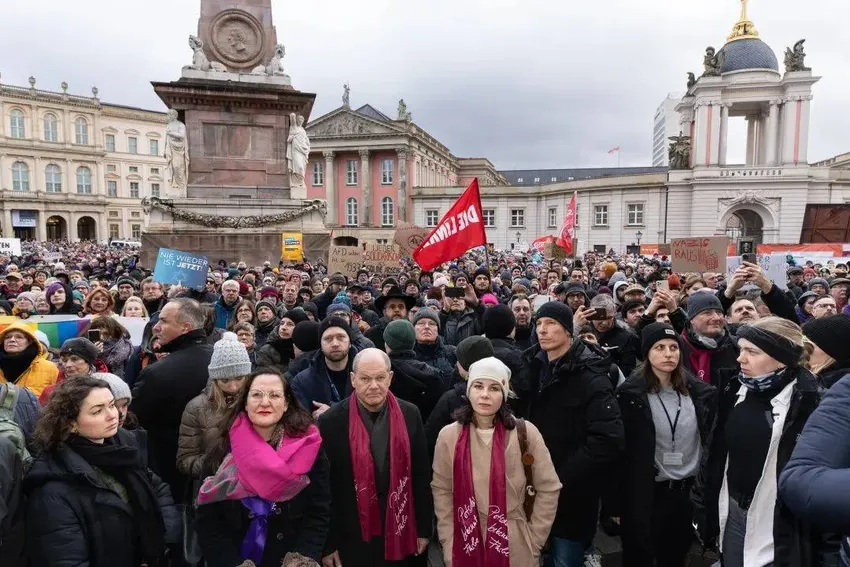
(479,480)
(268,503)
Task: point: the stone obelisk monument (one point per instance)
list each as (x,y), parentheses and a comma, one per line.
(236,147)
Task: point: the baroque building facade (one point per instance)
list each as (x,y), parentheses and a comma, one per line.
(73,167)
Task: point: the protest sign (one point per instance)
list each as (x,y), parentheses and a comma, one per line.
(702,254)
(291,248)
(382,259)
(776,268)
(345,259)
(183,268)
(551,251)
(732,264)
(53,256)
(10,246)
(408,237)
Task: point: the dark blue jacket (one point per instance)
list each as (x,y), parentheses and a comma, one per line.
(315,385)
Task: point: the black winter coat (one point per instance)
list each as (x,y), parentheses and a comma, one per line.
(415,382)
(299,525)
(580,422)
(314,384)
(375,333)
(507,351)
(438,355)
(322,301)
(795,543)
(277,352)
(454,326)
(441,415)
(161,394)
(623,345)
(637,480)
(724,358)
(73,518)
(264,331)
(776,300)
(12,507)
(344,535)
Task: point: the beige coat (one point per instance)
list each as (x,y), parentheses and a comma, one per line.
(526,538)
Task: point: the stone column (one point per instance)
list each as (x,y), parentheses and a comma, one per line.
(772,132)
(8,232)
(330,188)
(3,173)
(724,133)
(41,226)
(69,179)
(403,184)
(751,140)
(99,181)
(102,231)
(802,137)
(72,227)
(789,125)
(366,184)
(37,180)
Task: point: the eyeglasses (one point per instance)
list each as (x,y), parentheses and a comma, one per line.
(258,395)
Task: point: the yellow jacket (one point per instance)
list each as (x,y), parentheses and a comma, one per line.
(41,372)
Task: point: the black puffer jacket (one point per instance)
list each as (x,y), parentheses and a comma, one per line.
(623,345)
(507,351)
(454,326)
(438,355)
(12,507)
(74,518)
(277,352)
(441,415)
(572,403)
(415,382)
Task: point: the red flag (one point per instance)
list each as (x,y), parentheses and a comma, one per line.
(458,231)
(541,242)
(568,228)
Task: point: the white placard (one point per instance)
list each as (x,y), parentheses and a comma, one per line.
(10,246)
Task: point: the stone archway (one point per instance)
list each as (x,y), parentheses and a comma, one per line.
(86,228)
(57,228)
(745,227)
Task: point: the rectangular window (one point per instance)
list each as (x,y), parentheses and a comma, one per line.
(383,241)
(635,214)
(136,231)
(132,145)
(432,217)
(111,168)
(154,189)
(134,169)
(517,218)
(154,171)
(318,174)
(351,172)
(112,188)
(387,172)
(134,189)
(154,147)
(519,179)
(110,142)
(553,217)
(600,215)
(537,180)
(113,213)
(489,217)
(136,214)
(554,179)
(114,231)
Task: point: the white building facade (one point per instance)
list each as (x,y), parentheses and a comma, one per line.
(72,167)
(664,125)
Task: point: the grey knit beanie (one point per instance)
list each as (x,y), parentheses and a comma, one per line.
(230,359)
(120,389)
(427,313)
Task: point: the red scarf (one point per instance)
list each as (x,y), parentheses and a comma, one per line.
(699,360)
(468,550)
(400,542)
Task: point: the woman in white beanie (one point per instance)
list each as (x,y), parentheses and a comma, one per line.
(229,366)
(495,488)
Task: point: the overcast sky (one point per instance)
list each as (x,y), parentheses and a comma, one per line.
(525,83)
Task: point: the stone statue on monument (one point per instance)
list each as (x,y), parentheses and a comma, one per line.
(297,150)
(403,113)
(679,152)
(795,60)
(713,62)
(200,62)
(346,95)
(176,151)
(275,66)
(692,80)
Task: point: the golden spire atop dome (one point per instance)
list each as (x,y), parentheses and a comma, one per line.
(744,28)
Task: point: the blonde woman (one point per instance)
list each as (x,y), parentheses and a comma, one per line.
(760,417)
(479,481)
(830,359)
(135,307)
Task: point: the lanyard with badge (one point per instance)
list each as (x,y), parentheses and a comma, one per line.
(672,458)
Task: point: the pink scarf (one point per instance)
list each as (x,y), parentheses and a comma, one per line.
(468,550)
(254,468)
(400,541)
(699,360)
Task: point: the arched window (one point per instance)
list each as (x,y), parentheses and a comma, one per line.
(53,178)
(20,176)
(51,128)
(387,212)
(351,218)
(16,124)
(84,180)
(82,130)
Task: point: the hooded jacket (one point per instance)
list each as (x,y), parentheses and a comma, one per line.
(40,373)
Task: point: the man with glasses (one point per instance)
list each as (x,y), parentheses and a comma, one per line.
(824,307)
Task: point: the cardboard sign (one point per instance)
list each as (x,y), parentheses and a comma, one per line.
(181,268)
(552,251)
(382,259)
(702,254)
(10,246)
(345,259)
(408,237)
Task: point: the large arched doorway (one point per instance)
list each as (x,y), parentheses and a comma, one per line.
(57,228)
(86,229)
(745,228)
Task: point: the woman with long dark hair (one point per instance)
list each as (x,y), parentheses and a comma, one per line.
(269,500)
(90,498)
(667,416)
(489,512)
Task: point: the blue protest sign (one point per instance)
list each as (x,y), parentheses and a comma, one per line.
(183,268)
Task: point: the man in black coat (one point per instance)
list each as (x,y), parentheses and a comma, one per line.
(392,306)
(708,348)
(621,343)
(163,389)
(572,403)
(336,283)
(499,326)
(371,378)
(12,507)
(413,380)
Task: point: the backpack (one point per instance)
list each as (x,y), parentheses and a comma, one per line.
(9,428)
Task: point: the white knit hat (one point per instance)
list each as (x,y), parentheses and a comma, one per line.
(230,359)
(490,368)
(120,389)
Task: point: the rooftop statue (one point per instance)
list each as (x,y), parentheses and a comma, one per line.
(795,59)
(200,61)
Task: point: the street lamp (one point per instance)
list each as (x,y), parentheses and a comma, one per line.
(639,235)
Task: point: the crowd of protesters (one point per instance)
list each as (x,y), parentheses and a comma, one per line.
(475,414)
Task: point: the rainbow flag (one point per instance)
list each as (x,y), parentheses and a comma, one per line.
(60,328)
